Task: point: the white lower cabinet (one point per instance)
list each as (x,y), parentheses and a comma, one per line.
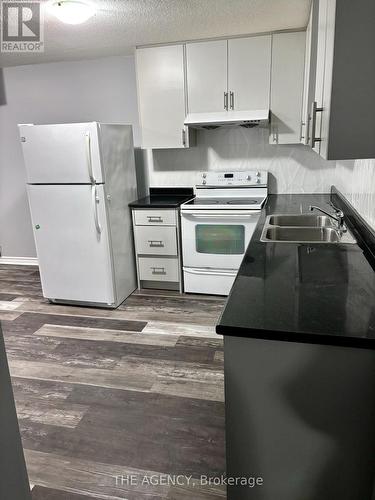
(156,240)
(158,268)
(157,248)
(155,217)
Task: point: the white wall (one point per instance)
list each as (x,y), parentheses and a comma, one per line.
(356,180)
(96,90)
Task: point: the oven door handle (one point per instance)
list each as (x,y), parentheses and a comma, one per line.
(202,215)
(213,272)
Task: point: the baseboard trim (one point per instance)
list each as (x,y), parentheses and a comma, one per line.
(19,261)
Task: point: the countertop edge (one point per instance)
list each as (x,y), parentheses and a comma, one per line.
(299,338)
(177,196)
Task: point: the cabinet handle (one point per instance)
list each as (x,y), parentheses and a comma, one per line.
(274,133)
(158,270)
(154,218)
(156,243)
(231,100)
(226,100)
(184,137)
(308,130)
(314,110)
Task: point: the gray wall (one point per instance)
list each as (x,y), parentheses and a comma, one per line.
(105,90)
(96,90)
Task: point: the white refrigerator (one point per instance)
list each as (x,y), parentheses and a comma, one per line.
(80,179)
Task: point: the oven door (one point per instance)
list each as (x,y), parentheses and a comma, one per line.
(216,239)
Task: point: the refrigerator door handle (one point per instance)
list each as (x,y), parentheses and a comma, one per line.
(88,158)
(95,201)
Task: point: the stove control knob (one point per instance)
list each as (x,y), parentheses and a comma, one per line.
(258,181)
(203,182)
(204,175)
(248,178)
(258,174)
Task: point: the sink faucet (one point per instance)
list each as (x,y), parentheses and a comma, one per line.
(339,218)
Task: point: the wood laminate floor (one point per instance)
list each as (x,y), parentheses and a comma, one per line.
(112,402)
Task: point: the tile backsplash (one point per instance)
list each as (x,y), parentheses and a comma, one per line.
(356,181)
(293,169)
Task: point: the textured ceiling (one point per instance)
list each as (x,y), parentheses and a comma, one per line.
(119,25)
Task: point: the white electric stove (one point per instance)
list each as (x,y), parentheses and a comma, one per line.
(217,226)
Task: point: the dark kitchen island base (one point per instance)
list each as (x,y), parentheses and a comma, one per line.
(14,483)
(301,416)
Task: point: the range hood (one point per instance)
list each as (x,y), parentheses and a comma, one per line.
(247,119)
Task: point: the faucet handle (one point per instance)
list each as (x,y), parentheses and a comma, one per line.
(337,210)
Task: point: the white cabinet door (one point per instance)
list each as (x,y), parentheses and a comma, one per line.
(74,258)
(288,53)
(307,97)
(320,65)
(64,153)
(206,66)
(161,96)
(329,23)
(249,72)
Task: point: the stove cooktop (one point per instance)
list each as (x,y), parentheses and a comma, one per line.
(226,203)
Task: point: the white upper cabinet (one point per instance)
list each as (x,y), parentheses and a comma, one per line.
(342,115)
(287,78)
(310,74)
(249,72)
(224,77)
(161,96)
(315,116)
(228,75)
(206,66)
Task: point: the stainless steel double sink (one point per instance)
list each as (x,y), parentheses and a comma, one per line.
(304,228)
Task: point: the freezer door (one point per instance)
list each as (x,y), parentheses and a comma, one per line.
(58,154)
(71,237)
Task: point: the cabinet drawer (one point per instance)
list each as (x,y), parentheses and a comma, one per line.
(158,269)
(156,240)
(155,217)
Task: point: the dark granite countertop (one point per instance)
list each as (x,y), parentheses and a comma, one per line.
(314,293)
(164,198)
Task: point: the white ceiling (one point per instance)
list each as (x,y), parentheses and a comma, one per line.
(119,25)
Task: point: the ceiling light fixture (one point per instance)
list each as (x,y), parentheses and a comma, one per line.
(72,11)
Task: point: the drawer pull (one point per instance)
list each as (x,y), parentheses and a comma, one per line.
(156,243)
(154,218)
(158,270)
